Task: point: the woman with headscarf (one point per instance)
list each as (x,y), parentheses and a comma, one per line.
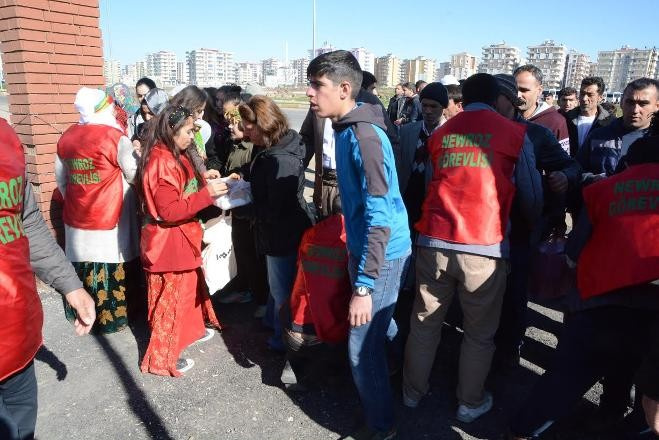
(94,168)
(153,103)
(124,103)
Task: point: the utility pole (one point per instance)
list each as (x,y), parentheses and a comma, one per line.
(313,51)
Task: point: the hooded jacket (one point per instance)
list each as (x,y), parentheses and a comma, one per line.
(281,213)
(602,120)
(547,116)
(376,220)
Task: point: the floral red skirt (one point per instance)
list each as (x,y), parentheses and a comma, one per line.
(179,306)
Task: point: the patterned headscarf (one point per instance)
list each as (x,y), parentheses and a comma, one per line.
(123,97)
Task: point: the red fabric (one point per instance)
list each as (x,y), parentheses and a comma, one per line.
(623,249)
(178,307)
(94,190)
(171,240)
(322,289)
(22,316)
(469,197)
(122,118)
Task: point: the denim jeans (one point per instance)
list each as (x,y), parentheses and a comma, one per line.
(366,345)
(281,276)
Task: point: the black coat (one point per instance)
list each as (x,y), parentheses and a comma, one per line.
(281,213)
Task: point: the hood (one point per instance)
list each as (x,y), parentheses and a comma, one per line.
(291,143)
(368,113)
(542,106)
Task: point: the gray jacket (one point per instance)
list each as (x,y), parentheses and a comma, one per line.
(46,257)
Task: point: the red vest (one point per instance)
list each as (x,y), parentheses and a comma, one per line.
(20,308)
(322,289)
(623,249)
(469,197)
(94,189)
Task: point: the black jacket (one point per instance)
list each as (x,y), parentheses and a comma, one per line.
(602,120)
(281,213)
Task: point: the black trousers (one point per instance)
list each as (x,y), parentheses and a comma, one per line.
(18,405)
(606,341)
(252,271)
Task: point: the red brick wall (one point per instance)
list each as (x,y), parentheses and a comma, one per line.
(50,48)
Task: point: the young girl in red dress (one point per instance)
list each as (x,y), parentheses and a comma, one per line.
(172,192)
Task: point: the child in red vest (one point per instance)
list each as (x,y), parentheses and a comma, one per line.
(172,192)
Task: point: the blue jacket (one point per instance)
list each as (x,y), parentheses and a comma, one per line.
(375,216)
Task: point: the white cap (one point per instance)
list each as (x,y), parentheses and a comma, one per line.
(448,80)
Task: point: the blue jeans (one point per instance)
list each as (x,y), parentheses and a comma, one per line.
(366,345)
(18,405)
(281,276)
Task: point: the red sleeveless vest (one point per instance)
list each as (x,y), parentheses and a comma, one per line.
(94,190)
(322,291)
(469,197)
(623,249)
(20,307)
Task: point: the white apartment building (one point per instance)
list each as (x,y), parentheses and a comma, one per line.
(300,67)
(182,75)
(463,65)
(500,58)
(162,65)
(550,58)
(365,58)
(111,71)
(387,70)
(248,73)
(577,67)
(420,68)
(621,66)
(210,67)
(326,47)
(443,70)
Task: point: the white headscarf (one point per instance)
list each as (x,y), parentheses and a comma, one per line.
(95,107)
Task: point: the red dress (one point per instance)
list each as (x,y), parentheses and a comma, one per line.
(179,303)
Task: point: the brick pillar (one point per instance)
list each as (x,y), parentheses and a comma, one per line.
(50,49)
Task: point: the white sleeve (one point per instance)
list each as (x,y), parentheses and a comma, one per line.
(127,158)
(60,175)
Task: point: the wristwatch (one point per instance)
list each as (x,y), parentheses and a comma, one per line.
(363,291)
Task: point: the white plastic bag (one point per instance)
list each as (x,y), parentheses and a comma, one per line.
(240,193)
(218,259)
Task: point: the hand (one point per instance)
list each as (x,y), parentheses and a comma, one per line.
(651,408)
(211,174)
(217,188)
(234,176)
(85,309)
(359,311)
(398,121)
(557,181)
(137,146)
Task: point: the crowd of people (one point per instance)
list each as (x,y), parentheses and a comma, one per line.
(445,193)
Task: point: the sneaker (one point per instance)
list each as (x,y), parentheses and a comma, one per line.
(408,401)
(207,336)
(367,433)
(468,415)
(260,312)
(184,365)
(236,298)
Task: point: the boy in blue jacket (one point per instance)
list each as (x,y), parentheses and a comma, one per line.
(378,237)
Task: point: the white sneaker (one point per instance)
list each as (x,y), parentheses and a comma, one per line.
(409,402)
(468,415)
(184,365)
(207,336)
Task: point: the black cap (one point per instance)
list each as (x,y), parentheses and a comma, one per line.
(435,91)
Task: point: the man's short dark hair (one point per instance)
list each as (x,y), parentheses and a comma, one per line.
(146,82)
(368,79)
(533,70)
(594,81)
(338,66)
(229,93)
(454,92)
(481,87)
(640,84)
(567,91)
(419,83)
(408,85)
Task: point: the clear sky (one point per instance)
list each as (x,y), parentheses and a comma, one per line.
(255,30)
